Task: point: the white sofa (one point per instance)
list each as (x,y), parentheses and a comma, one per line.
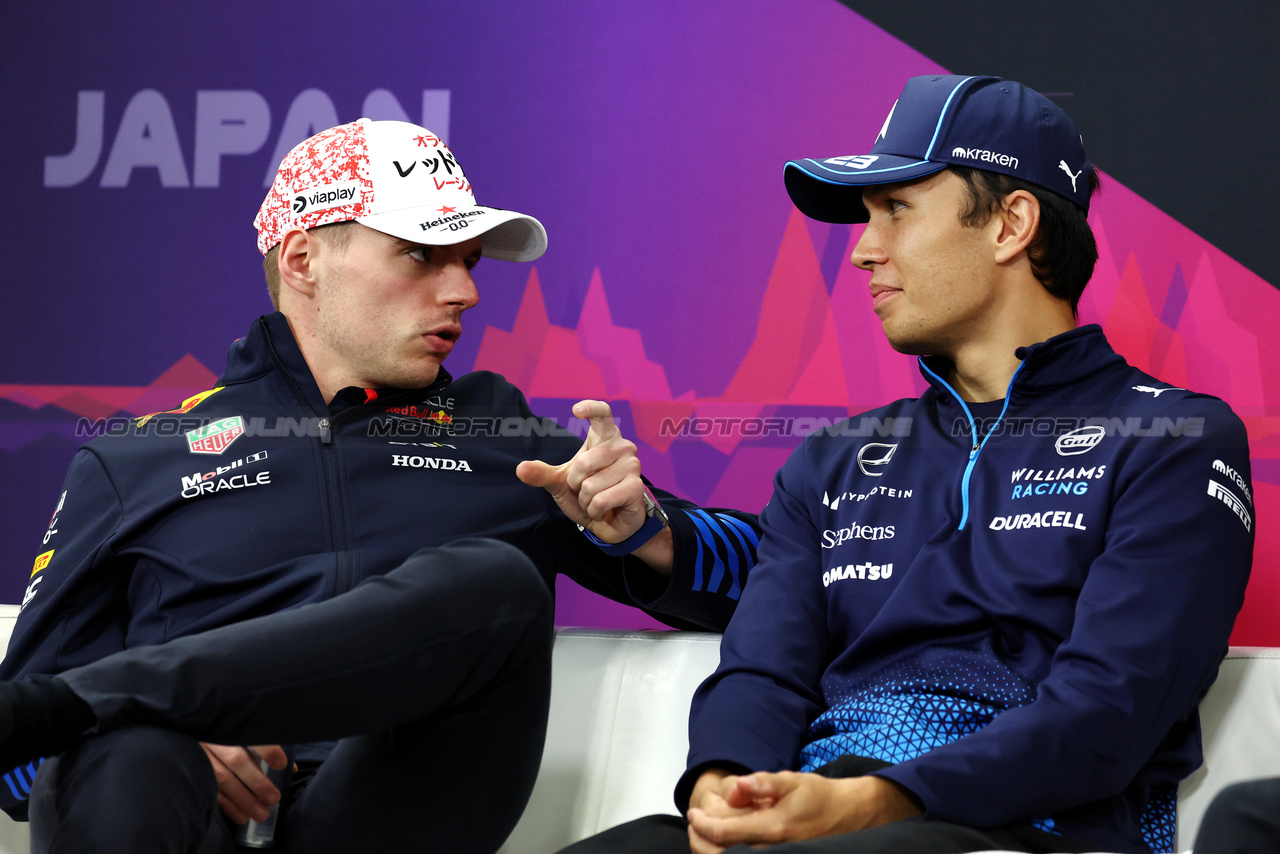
(618,736)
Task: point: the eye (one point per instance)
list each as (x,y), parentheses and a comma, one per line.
(421,254)
(894,205)
(471,261)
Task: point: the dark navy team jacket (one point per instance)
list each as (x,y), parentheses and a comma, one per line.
(257,497)
(1019,608)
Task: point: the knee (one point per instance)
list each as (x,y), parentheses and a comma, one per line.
(496,574)
(102,781)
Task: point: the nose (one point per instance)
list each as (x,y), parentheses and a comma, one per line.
(459,285)
(868,251)
(462,287)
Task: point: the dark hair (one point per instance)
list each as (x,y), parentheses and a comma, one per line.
(1063,251)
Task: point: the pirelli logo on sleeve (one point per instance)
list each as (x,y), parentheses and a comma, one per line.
(42,560)
(1227,497)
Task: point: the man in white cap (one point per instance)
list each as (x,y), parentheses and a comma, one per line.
(334,544)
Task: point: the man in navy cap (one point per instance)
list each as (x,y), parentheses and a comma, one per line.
(1004,648)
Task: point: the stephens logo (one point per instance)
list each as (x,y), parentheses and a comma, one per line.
(216,437)
(327,196)
(831,539)
(1080,440)
(860,571)
(873,457)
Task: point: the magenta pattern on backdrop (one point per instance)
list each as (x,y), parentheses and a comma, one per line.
(680,284)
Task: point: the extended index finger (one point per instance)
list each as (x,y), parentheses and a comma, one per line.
(602,426)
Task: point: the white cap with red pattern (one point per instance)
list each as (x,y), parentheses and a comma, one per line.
(396,178)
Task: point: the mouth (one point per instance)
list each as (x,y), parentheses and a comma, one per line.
(442,338)
(880,294)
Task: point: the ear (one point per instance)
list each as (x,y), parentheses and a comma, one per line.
(296,261)
(1019,219)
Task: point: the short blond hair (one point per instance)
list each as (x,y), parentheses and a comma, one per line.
(333,235)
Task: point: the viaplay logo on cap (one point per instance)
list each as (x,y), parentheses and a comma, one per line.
(217,436)
(325,197)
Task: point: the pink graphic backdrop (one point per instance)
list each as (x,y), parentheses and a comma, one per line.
(649,138)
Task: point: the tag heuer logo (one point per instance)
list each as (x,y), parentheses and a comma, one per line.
(216,437)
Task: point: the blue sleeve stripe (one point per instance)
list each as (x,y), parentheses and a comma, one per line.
(735,589)
(8,778)
(723,548)
(742,526)
(705,535)
(697,561)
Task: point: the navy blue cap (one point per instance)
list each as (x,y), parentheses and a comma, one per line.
(941,120)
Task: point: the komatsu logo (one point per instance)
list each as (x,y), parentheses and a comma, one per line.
(860,571)
(985,156)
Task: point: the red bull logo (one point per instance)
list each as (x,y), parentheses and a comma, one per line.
(187,405)
(440,417)
(216,437)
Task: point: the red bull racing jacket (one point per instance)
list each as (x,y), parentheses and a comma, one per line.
(256,496)
(1018,608)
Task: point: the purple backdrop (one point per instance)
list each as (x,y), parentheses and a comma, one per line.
(648,137)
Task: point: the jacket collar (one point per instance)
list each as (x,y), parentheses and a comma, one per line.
(1060,361)
(270,346)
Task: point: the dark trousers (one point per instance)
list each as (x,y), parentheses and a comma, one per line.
(435,677)
(1244,818)
(669,834)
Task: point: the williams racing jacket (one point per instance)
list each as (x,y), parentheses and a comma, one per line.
(256,496)
(1019,608)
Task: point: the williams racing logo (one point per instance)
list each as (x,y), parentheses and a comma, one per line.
(225,478)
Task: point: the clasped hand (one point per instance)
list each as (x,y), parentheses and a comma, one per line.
(763,809)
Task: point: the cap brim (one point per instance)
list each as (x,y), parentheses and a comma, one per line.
(505,235)
(831,190)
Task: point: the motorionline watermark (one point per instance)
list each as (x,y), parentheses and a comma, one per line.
(797,426)
(316,426)
(1156,426)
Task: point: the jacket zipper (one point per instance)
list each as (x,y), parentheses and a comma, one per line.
(333,491)
(976,445)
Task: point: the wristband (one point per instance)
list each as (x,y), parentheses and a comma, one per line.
(650,529)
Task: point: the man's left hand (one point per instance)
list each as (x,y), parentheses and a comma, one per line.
(790,807)
(600,488)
